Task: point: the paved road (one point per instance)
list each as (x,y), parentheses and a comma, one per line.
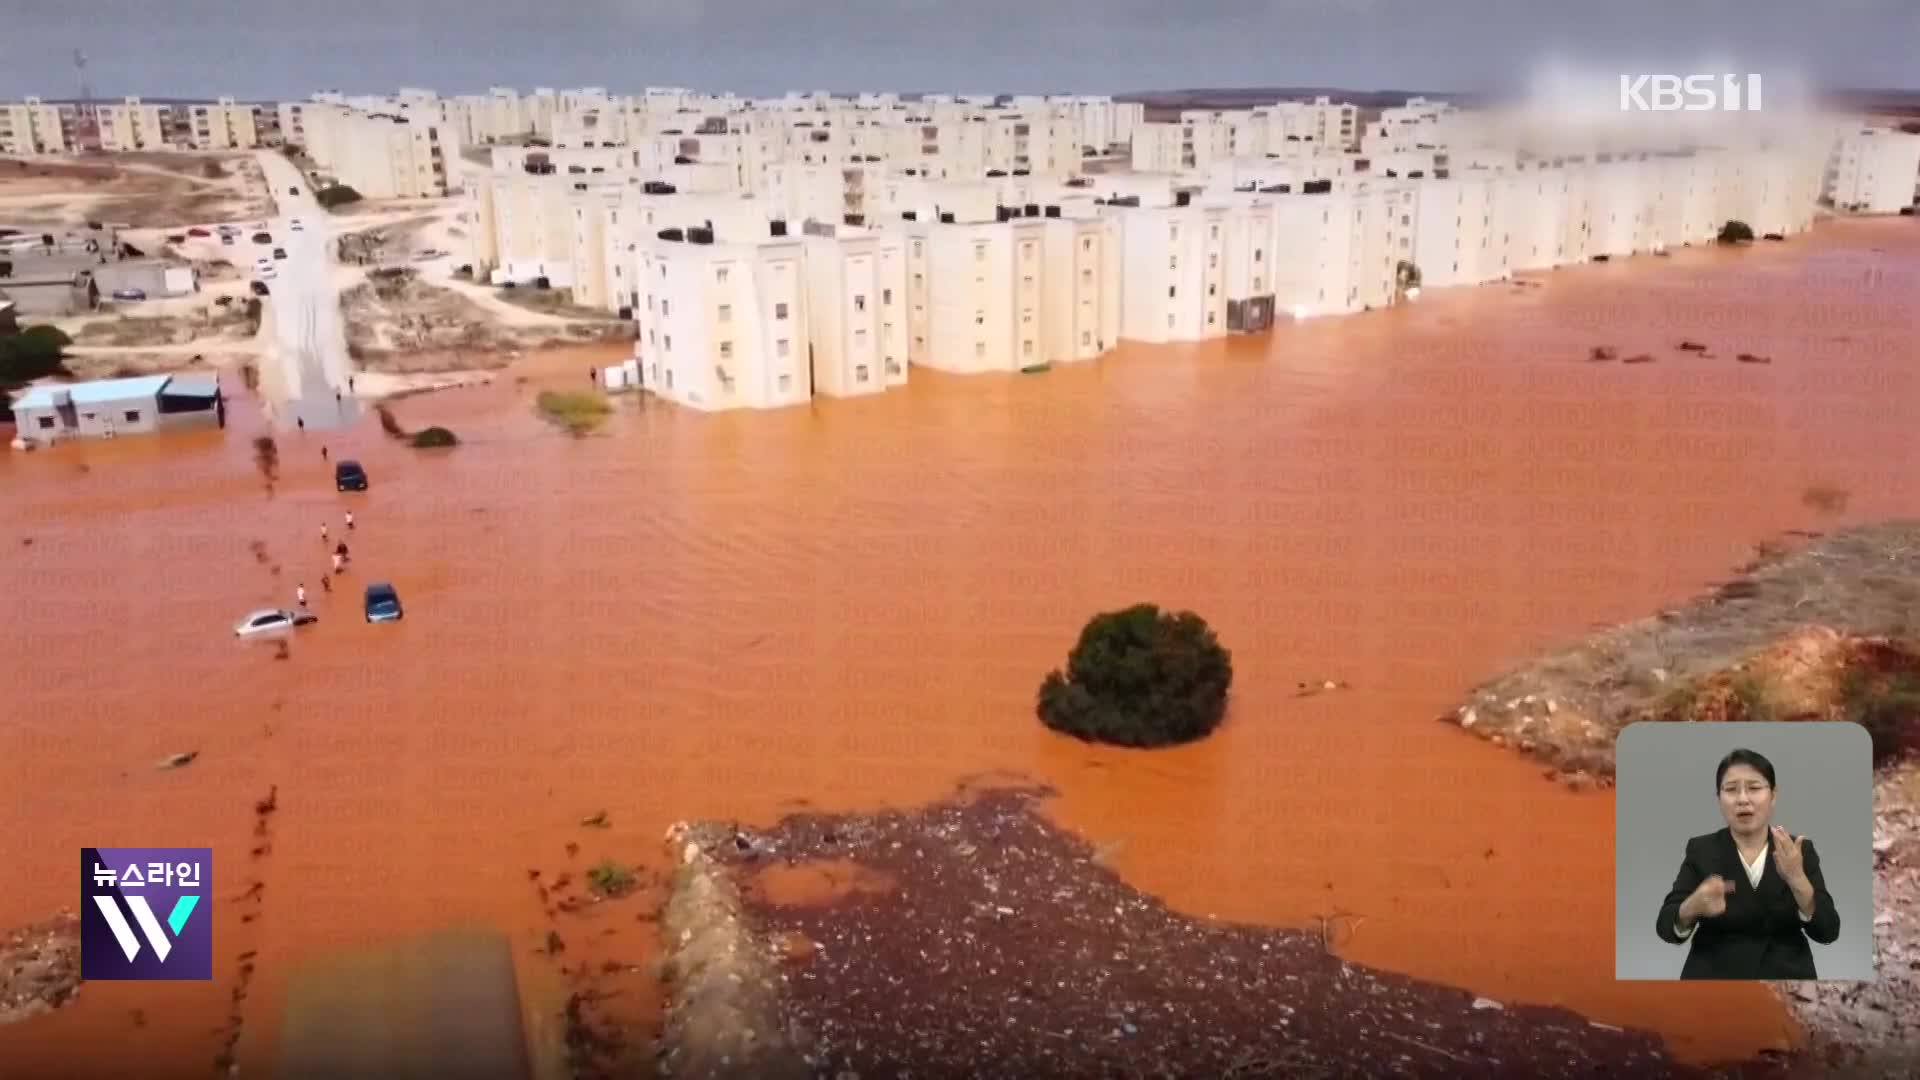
(309,336)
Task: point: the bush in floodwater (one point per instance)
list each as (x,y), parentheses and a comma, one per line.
(336,195)
(579,413)
(434,437)
(390,423)
(609,878)
(1735,232)
(1140,677)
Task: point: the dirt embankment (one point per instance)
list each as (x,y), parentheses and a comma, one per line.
(974,938)
(1813,628)
(39,967)
(397,322)
(1826,631)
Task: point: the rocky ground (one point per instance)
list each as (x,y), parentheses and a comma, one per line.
(1815,628)
(152,189)
(39,967)
(975,938)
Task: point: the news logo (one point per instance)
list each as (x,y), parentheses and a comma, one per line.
(145,913)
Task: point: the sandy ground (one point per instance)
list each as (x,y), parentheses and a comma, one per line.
(399,321)
(143,190)
(39,967)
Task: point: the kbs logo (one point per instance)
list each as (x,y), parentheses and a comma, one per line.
(1689,93)
(144,913)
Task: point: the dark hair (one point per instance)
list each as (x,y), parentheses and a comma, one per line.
(1747,757)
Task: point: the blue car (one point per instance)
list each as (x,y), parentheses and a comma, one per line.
(383,603)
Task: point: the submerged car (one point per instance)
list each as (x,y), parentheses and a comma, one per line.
(383,603)
(349,476)
(269,619)
(296,226)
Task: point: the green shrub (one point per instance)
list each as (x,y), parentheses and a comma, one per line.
(1887,706)
(33,353)
(1735,232)
(432,437)
(579,413)
(609,878)
(1140,677)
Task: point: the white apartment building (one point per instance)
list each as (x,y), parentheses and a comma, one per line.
(1873,171)
(131,124)
(1013,293)
(857,306)
(1322,121)
(1460,229)
(524,228)
(1338,250)
(380,155)
(31,127)
(725,323)
(223,125)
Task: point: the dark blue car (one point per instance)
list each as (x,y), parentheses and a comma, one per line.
(349,476)
(383,603)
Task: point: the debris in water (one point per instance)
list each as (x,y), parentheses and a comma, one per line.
(174,761)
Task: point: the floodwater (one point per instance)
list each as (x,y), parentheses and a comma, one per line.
(852,605)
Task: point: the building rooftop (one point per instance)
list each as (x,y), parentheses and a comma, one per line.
(92,393)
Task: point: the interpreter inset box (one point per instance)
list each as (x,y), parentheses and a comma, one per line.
(1743,851)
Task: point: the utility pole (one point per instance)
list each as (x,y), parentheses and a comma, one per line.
(87,117)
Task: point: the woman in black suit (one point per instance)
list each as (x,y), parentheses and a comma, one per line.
(1749,896)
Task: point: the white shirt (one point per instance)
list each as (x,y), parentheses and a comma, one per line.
(1754,870)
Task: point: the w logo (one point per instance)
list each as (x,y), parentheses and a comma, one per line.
(143,914)
(123,894)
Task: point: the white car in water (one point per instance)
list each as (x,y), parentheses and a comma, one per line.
(267,620)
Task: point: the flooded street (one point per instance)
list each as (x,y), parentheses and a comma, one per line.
(852,605)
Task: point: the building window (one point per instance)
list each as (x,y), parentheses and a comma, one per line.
(919,280)
(1086,337)
(860,339)
(1169,322)
(780,347)
(1215,231)
(916,249)
(859,302)
(1086,244)
(1026,348)
(886,296)
(720,275)
(980,252)
(1256,254)
(1173,263)
(980,318)
(726,350)
(780,310)
(726,312)
(786,383)
(132,416)
(1213,290)
(980,349)
(1170,292)
(1210,318)
(860,373)
(1173,233)
(669,378)
(46,423)
(667,343)
(1256,284)
(663,308)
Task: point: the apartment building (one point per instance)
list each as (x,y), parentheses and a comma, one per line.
(1322,121)
(1873,171)
(381,155)
(130,124)
(524,228)
(1460,229)
(856,309)
(726,322)
(222,125)
(32,127)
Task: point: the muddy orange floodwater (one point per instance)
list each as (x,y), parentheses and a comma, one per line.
(852,604)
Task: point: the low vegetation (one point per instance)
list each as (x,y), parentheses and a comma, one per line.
(1140,677)
(1736,232)
(1827,500)
(610,879)
(433,437)
(578,413)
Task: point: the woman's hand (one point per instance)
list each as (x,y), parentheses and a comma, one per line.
(1787,858)
(1708,899)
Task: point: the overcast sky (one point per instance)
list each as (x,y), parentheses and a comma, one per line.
(277,49)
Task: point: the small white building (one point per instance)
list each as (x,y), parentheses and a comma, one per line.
(111,407)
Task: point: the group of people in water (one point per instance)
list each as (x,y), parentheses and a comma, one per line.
(340,556)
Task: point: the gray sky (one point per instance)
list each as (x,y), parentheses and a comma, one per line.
(289,48)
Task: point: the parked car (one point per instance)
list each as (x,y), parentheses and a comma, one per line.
(259,288)
(267,620)
(383,603)
(263,238)
(181,238)
(222,301)
(129,294)
(227,239)
(349,476)
(297,226)
(279,253)
(197,231)
(293,189)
